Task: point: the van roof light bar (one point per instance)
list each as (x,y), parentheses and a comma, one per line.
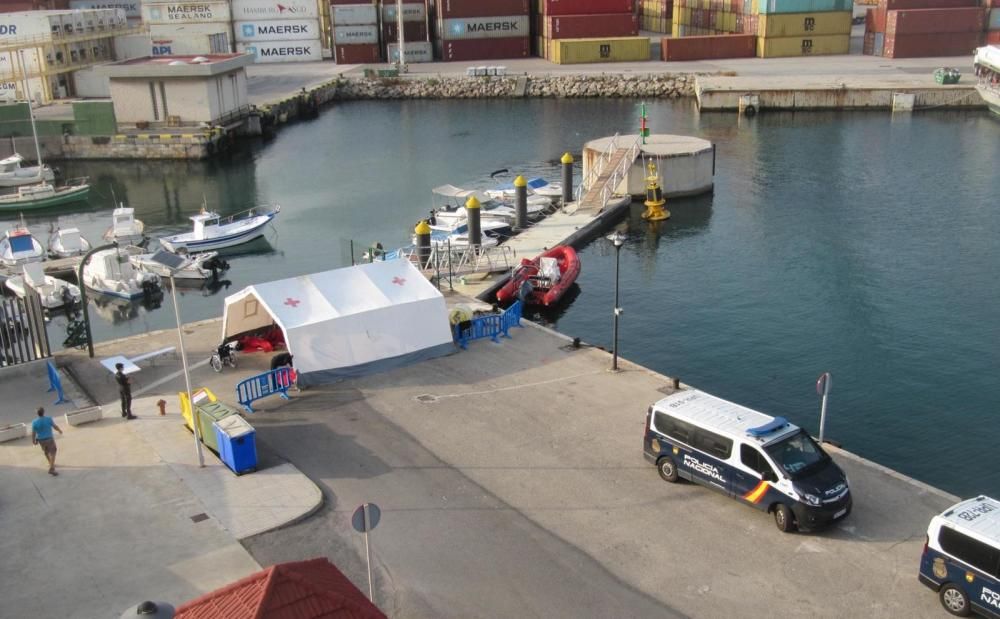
(775,424)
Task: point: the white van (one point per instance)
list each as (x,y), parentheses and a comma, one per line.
(763,461)
(961,559)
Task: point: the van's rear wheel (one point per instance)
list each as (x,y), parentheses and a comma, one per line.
(667,468)
(954,600)
(784,518)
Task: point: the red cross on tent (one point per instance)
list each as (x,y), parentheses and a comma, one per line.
(292,302)
(399,281)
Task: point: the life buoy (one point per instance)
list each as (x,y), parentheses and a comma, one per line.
(750,110)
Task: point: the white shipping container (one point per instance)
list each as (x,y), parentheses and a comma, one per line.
(280,30)
(161,30)
(13,63)
(14,91)
(30,24)
(132,8)
(172,13)
(132,46)
(411,12)
(92,83)
(456,28)
(349,35)
(191,44)
(248,10)
(354,14)
(417,51)
(283,51)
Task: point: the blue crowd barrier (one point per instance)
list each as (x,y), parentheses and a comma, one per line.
(491,326)
(275,382)
(55,383)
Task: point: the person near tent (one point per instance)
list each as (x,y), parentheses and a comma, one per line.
(284,360)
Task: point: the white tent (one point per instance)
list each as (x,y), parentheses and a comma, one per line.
(347,322)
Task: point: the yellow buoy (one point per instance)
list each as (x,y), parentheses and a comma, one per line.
(654,197)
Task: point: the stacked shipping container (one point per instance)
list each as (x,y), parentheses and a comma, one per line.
(655,15)
(563,26)
(278,30)
(919,28)
(188,26)
(416,31)
(482,29)
(355,32)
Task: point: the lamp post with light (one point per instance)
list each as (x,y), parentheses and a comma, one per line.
(618,239)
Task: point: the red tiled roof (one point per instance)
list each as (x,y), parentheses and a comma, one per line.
(313,589)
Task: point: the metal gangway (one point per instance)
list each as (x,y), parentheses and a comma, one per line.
(606,174)
(445,261)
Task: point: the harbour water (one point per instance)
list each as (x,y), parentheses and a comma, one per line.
(855,243)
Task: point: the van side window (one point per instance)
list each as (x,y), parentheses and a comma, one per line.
(713,444)
(674,428)
(754,460)
(968,550)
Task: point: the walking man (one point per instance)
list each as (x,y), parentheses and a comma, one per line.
(124,390)
(41,434)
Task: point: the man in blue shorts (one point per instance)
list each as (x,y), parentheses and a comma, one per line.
(41,434)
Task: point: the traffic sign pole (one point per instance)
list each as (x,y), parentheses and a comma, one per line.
(823,385)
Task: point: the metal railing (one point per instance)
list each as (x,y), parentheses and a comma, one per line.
(620,173)
(446,262)
(597,168)
(23,337)
(275,382)
(490,325)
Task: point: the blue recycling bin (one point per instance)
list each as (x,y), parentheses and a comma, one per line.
(237,443)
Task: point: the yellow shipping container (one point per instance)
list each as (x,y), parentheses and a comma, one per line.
(754,7)
(781,47)
(804,24)
(618,49)
(728,23)
(677,13)
(675,29)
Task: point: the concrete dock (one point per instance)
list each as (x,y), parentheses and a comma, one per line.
(512,483)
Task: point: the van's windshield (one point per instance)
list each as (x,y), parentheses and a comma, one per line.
(798,455)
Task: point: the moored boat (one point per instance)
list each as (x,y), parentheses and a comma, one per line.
(201,266)
(125,229)
(987,66)
(53,292)
(68,242)
(13,174)
(544,279)
(19,246)
(212,232)
(110,272)
(45,194)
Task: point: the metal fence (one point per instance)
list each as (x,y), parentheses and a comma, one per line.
(23,337)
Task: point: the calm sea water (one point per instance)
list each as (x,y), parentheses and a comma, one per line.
(854,243)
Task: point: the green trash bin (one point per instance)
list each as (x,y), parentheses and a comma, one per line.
(208,414)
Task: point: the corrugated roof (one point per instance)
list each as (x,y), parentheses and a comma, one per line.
(313,589)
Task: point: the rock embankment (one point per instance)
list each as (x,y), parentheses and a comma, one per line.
(489,87)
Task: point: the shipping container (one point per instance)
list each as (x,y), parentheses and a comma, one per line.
(249,10)
(169,13)
(868,46)
(132,8)
(900,5)
(195,29)
(417,51)
(620,49)
(585,7)
(354,15)
(265,52)
(930,45)
(281,30)
(804,24)
(708,47)
(185,45)
(780,47)
(447,9)
(993,37)
(412,11)
(766,7)
(929,21)
(31,24)
(506,27)
(356,54)
(878,20)
(879,48)
(993,22)
(13,90)
(482,49)
(355,35)
(590,26)
(412,31)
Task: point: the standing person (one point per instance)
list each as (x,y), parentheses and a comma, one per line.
(124,390)
(41,434)
(281,360)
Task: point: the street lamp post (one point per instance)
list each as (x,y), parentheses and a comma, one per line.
(172,262)
(618,238)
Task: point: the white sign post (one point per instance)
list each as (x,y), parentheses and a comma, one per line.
(364,519)
(823,385)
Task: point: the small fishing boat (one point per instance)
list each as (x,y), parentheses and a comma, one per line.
(202,266)
(489,227)
(459,240)
(449,206)
(18,246)
(536,186)
(53,292)
(67,242)
(111,272)
(212,232)
(125,228)
(544,279)
(45,194)
(13,174)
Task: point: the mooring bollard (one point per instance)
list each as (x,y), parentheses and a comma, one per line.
(520,203)
(472,211)
(423,232)
(567,178)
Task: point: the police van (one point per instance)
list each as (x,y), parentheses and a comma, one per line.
(763,461)
(961,559)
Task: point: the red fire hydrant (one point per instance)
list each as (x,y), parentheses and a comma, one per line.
(163,406)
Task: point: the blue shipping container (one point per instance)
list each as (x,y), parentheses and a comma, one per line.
(767,7)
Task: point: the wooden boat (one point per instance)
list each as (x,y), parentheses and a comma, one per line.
(211,232)
(13,174)
(45,194)
(542,280)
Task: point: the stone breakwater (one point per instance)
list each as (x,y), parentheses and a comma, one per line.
(571,86)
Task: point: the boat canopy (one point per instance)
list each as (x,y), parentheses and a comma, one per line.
(451,191)
(989,56)
(353,321)
(8,164)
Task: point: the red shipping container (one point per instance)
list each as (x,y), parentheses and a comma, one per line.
(582,7)
(591,26)
(412,31)
(708,47)
(868,47)
(878,19)
(483,49)
(930,45)
(993,37)
(357,54)
(930,21)
(447,9)
(902,5)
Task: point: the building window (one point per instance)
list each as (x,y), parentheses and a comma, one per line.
(152,96)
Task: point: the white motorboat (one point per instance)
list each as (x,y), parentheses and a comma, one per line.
(125,228)
(212,232)
(13,174)
(202,266)
(449,203)
(986,63)
(111,272)
(45,194)
(498,229)
(67,242)
(536,186)
(52,292)
(18,246)
(459,240)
